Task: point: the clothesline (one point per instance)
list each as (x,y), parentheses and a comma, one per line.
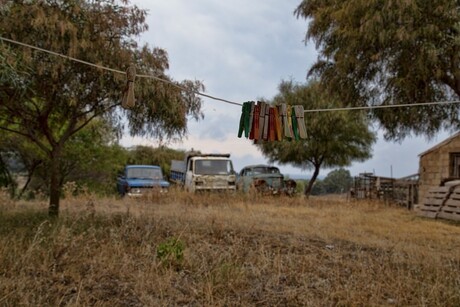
(118,71)
(263,122)
(221,99)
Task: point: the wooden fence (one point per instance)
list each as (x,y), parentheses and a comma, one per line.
(403,191)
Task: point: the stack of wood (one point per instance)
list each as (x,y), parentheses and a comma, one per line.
(442,202)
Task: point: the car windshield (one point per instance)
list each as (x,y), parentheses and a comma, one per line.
(144,173)
(213,167)
(263,170)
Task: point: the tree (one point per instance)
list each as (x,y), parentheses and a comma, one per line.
(334,138)
(161,156)
(318,188)
(26,158)
(390,52)
(6,179)
(48,99)
(90,158)
(338,181)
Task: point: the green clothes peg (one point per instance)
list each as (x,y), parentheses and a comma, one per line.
(244,119)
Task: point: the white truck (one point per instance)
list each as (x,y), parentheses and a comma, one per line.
(204,172)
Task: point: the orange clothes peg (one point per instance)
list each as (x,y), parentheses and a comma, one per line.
(278,124)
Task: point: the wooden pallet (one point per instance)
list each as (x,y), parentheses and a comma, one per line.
(451,208)
(432,204)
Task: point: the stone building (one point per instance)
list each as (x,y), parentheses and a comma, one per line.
(439,164)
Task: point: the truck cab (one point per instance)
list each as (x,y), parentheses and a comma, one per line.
(204,172)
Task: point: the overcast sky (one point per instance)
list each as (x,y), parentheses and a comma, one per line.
(241,50)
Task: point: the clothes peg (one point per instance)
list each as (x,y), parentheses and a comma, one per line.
(300,114)
(244,120)
(266,122)
(295,128)
(278,124)
(271,125)
(290,135)
(261,120)
(251,118)
(284,116)
(254,134)
(128,100)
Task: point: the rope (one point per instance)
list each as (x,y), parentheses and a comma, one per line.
(384,106)
(117,71)
(221,99)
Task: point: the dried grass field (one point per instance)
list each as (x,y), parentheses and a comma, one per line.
(216,250)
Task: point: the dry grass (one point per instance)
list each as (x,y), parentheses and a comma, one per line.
(237,251)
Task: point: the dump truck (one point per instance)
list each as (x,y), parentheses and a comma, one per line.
(204,172)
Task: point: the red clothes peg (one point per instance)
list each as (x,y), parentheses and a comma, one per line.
(261,120)
(271,125)
(254,134)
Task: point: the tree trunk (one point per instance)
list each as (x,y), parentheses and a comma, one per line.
(309,186)
(55,186)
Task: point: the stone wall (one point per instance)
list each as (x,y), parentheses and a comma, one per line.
(434,165)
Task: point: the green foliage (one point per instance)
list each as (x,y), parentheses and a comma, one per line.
(390,52)
(90,158)
(161,156)
(335,139)
(318,187)
(171,251)
(338,181)
(48,99)
(5,177)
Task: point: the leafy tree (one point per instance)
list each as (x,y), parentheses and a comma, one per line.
(48,99)
(390,52)
(334,138)
(161,156)
(318,188)
(90,158)
(338,181)
(25,158)
(5,175)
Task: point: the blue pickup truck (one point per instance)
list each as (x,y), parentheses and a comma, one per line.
(137,180)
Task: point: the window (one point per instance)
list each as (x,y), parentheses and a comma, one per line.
(455,164)
(144,173)
(213,167)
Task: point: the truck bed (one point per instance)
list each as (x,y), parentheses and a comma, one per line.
(177,171)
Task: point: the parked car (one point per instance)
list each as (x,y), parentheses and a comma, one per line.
(264,179)
(137,180)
